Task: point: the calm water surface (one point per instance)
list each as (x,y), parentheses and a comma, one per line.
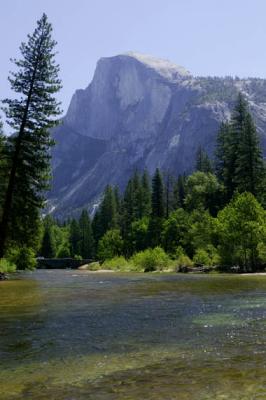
(67,335)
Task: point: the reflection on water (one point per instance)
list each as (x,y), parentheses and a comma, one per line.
(74,335)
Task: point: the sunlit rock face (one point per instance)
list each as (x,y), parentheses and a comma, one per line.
(140,112)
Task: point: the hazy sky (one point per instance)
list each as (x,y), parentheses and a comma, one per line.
(208,37)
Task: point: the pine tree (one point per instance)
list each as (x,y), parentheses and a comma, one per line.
(48,244)
(169,193)
(96,227)
(179,193)
(237,126)
(239,161)
(157,211)
(3,166)
(30,116)
(86,243)
(74,238)
(108,211)
(157,195)
(203,162)
(145,195)
(250,169)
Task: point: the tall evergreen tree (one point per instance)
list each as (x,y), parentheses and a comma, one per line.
(157,195)
(250,168)
(233,140)
(31,116)
(86,243)
(239,161)
(203,162)
(179,193)
(3,166)
(146,195)
(47,249)
(157,211)
(108,211)
(168,193)
(74,238)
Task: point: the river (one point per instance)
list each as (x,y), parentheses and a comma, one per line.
(74,335)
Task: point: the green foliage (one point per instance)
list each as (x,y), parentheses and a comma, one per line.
(261,248)
(138,236)
(184,261)
(239,161)
(7,266)
(175,230)
(86,242)
(201,232)
(110,245)
(118,263)
(74,238)
(48,249)
(202,192)
(151,260)
(23,257)
(241,229)
(63,251)
(31,115)
(203,162)
(157,195)
(208,256)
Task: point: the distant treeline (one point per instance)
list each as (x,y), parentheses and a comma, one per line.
(215,216)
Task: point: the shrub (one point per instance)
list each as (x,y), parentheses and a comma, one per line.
(201,257)
(118,264)
(23,258)
(208,256)
(184,261)
(94,266)
(151,260)
(7,266)
(63,252)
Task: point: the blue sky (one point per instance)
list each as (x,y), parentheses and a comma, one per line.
(208,37)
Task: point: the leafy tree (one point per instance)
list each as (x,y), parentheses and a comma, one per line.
(175,230)
(203,192)
(86,243)
(241,230)
(137,239)
(31,116)
(201,233)
(110,245)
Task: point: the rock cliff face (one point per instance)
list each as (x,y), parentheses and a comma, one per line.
(140,112)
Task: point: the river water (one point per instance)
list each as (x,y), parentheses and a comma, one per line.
(74,335)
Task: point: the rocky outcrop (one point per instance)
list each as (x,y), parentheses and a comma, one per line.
(140,112)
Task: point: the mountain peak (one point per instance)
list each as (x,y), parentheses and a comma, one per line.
(164,67)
